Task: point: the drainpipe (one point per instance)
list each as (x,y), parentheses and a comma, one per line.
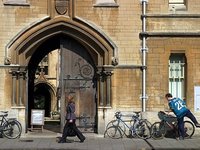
(144,51)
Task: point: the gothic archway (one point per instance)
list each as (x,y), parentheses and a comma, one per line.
(31,46)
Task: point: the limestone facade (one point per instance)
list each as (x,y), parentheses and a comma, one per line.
(111,32)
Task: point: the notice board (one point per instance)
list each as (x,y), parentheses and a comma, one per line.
(37,117)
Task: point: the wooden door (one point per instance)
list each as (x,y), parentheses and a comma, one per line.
(77,74)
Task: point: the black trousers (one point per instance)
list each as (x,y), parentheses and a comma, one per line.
(71,125)
(181,122)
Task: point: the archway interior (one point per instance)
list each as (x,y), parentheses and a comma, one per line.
(69,45)
(42,98)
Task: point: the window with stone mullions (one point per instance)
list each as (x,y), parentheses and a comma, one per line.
(177,71)
(176,2)
(104,1)
(16,2)
(177,5)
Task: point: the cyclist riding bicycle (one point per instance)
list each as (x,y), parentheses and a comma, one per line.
(179,108)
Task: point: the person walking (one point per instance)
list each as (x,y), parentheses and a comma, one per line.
(70,124)
(178,106)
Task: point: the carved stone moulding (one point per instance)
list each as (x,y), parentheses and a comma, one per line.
(62,6)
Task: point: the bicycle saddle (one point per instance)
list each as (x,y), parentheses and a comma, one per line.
(137,112)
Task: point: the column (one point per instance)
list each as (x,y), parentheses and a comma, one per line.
(101,87)
(14,83)
(108,88)
(22,77)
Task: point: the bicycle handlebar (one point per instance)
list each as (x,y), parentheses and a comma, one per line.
(118,114)
(5,112)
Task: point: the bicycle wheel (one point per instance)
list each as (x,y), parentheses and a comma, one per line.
(10,120)
(158,130)
(11,130)
(115,132)
(189,129)
(115,123)
(142,129)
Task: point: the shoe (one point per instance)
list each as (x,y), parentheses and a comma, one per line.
(64,141)
(68,141)
(82,140)
(181,138)
(197,125)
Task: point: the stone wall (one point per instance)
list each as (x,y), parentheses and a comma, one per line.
(122,24)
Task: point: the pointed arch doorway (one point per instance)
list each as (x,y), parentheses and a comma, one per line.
(76,75)
(88,52)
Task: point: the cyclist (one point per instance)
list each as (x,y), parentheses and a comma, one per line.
(179,108)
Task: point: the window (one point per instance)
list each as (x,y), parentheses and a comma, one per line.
(177,5)
(176,2)
(106,3)
(16,2)
(177,70)
(43,66)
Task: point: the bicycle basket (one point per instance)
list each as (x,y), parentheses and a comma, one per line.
(166,117)
(162,115)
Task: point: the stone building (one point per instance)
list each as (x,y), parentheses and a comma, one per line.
(112,54)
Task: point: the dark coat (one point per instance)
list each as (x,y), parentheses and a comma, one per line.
(70,111)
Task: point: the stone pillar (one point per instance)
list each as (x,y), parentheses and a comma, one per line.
(101,87)
(17,86)
(108,88)
(108,71)
(22,77)
(104,74)
(14,83)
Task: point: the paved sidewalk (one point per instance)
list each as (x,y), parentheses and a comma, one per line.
(47,141)
(92,142)
(173,144)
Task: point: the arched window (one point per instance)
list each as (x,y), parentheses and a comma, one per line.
(177,78)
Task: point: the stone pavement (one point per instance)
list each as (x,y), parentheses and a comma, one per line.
(47,141)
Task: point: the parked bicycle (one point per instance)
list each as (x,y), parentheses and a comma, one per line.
(169,123)
(137,127)
(9,128)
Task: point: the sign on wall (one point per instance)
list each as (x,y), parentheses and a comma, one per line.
(37,117)
(197,98)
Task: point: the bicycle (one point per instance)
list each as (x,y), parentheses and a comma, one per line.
(9,128)
(138,127)
(159,129)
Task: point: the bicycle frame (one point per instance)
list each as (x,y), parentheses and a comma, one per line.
(123,122)
(172,126)
(118,128)
(131,127)
(3,119)
(160,129)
